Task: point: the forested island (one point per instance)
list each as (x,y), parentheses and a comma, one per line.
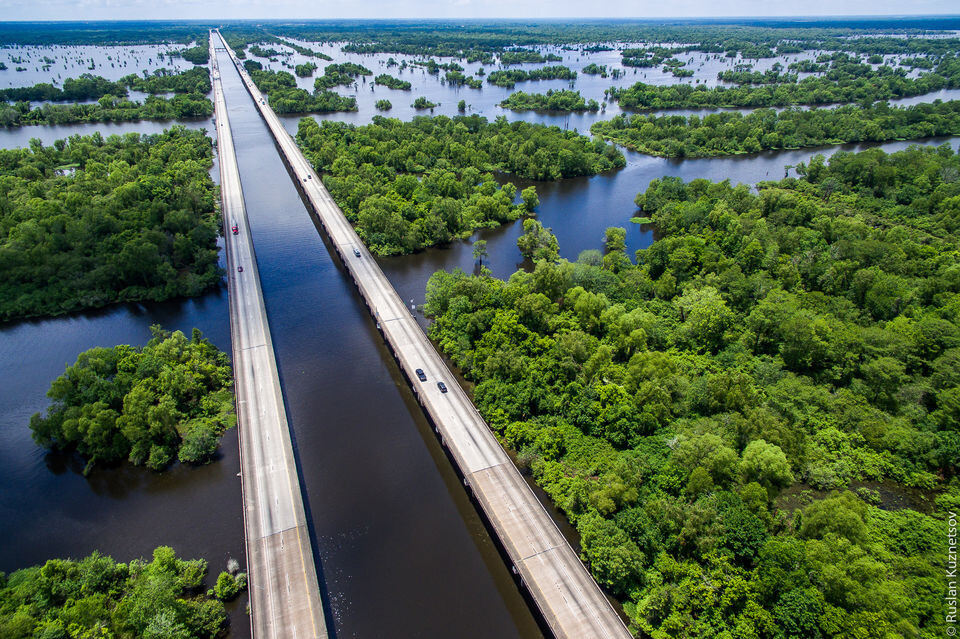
(93,221)
(345,74)
(408,185)
(550,101)
(108,109)
(112,105)
(170,400)
(509,77)
(284,96)
(391,82)
(734,132)
(93,87)
(99,597)
(692,412)
(849,82)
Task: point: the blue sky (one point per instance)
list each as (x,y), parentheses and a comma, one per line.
(204,9)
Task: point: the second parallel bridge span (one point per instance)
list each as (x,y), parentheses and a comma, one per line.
(567,597)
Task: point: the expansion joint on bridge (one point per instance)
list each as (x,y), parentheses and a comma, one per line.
(545,550)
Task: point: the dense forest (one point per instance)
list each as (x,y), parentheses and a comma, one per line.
(199,54)
(108,109)
(91,221)
(345,74)
(196,80)
(562,100)
(755,38)
(85,87)
(755,428)
(407,185)
(735,132)
(112,105)
(849,82)
(284,96)
(171,399)
(99,597)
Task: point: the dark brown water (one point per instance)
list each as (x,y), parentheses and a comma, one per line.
(401,549)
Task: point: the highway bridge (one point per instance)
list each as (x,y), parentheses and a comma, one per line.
(568,599)
(284,591)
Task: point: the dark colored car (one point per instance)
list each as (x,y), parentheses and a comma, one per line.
(421,375)
(239,269)
(442,387)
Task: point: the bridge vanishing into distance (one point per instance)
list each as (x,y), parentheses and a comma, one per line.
(568,599)
(284,590)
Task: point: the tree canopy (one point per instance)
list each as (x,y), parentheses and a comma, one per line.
(734,132)
(285,97)
(91,221)
(693,412)
(407,185)
(169,400)
(99,597)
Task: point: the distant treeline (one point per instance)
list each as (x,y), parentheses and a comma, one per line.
(749,38)
(103,33)
(846,83)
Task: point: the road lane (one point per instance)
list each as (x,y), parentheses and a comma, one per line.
(284,590)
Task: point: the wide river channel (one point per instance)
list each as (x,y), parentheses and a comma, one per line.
(401,550)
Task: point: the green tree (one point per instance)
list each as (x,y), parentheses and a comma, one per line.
(479,250)
(142,404)
(537,243)
(766,464)
(530,199)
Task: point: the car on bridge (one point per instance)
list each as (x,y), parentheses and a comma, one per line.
(356,251)
(236,230)
(421,375)
(442,387)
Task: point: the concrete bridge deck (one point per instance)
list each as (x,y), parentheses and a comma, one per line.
(569,600)
(284,591)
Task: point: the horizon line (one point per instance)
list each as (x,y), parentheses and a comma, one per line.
(839,16)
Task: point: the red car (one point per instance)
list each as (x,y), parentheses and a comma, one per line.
(236,231)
